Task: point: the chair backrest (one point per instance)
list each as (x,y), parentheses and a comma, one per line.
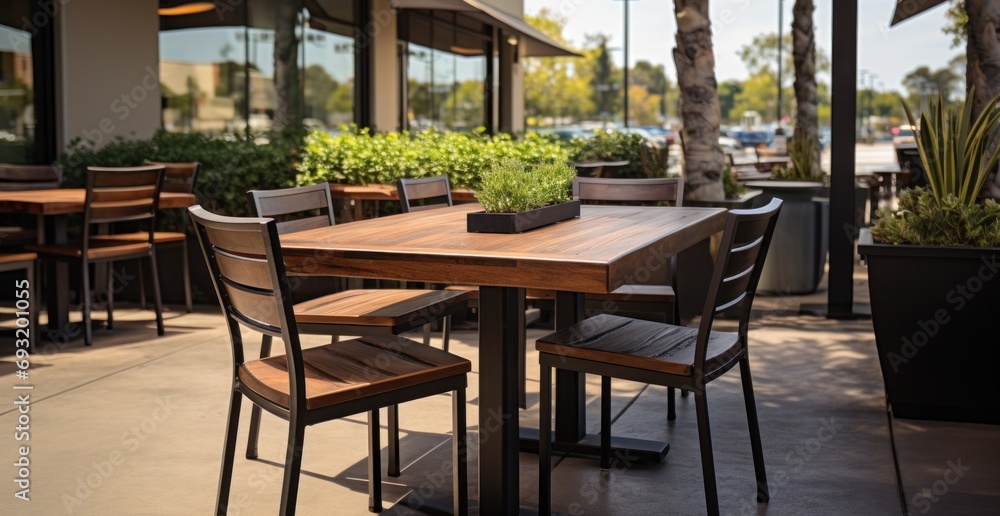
(178,177)
(245,262)
(425,193)
(294,209)
(121,194)
(653,190)
(737,270)
(29,177)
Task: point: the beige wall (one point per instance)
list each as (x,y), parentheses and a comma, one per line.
(385,73)
(515,7)
(108,70)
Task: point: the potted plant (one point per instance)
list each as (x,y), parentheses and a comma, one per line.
(617,154)
(933,271)
(797,257)
(517,197)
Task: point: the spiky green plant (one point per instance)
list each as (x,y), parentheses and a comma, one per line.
(957,153)
(800,149)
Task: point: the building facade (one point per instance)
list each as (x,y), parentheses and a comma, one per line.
(103,69)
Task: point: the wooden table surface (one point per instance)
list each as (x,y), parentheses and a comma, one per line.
(386,193)
(62,201)
(595,253)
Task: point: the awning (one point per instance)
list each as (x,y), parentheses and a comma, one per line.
(535,43)
(906,9)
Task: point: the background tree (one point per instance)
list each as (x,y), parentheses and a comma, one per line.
(287,111)
(923,81)
(982,51)
(605,81)
(551,88)
(728,90)
(319,86)
(653,79)
(806,91)
(699,101)
(644,106)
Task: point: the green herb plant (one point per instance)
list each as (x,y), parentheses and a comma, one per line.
(512,186)
(958,155)
(730,186)
(800,149)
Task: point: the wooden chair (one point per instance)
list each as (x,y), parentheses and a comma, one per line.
(659,301)
(435,192)
(114,195)
(311,386)
(179,178)
(17,230)
(673,356)
(10,262)
(349,312)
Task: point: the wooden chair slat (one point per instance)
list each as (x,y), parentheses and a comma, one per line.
(252,272)
(238,242)
(629,190)
(424,193)
(291,226)
(257,306)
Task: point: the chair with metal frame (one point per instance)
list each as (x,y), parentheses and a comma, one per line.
(18,229)
(348,312)
(674,356)
(310,386)
(114,195)
(636,299)
(10,262)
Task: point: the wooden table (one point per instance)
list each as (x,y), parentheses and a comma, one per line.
(51,207)
(596,253)
(379,193)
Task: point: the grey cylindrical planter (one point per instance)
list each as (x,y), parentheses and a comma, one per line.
(797,257)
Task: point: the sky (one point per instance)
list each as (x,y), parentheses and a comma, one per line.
(887,53)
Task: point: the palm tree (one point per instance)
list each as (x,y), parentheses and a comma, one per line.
(983,51)
(699,101)
(806,97)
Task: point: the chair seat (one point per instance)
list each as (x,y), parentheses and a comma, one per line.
(99,249)
(377,307)
(345,371)
(638,294)
(17,235)
(640,344)
(7,258)
(159,237)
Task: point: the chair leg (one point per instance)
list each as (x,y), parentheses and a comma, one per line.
(88,337)
(334,339)
(187,277)
(111,295)
(293,465)
(427,335)
(545,443)
(671,404)
(522,368)
(446,333)
(605,423)
(374,463)
(393,424)
(459,454)
(157,304)
(707,460)
(228,453)
(142,287)
(265,351)
(758,453)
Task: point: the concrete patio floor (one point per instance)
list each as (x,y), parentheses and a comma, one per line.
(134,425)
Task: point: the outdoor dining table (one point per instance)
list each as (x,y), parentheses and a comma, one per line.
(52,208)
(603,249)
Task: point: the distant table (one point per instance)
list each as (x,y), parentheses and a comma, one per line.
(379,193)
(51,207)
(596,253)
(884,181)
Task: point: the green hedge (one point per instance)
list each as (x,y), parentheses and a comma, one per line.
(361,157)
(645,160)
(230,164)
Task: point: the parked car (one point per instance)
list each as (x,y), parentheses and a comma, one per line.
(660,140)
(660,132)
(751,138)
(729,144)
(903,134)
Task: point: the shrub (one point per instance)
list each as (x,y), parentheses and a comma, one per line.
(230,164)
(512,186)
(730,186)
(359,156)
(800,150)
(643,157)
(923,220)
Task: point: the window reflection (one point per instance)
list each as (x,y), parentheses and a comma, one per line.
(17,109)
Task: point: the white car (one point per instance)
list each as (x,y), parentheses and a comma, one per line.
(729,144)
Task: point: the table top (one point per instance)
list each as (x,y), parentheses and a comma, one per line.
(889,168)
(596,253)
(70,200)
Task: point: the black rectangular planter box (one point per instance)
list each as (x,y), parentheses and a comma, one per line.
(934,310)
(482,222)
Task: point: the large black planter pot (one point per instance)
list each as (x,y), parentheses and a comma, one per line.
(797,257)
(934,311)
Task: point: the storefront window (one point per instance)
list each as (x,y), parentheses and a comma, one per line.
(17,86)
(445,71)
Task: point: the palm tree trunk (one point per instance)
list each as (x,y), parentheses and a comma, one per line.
(983,51)
(699,101)
(806,97)
(286,70)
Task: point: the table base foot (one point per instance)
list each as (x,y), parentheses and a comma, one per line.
(622,448)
